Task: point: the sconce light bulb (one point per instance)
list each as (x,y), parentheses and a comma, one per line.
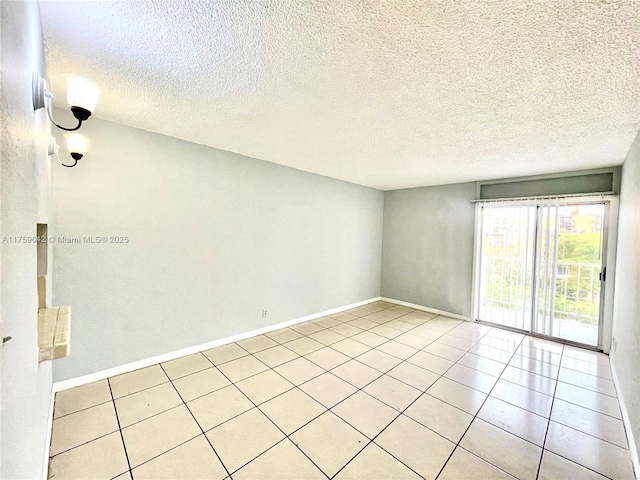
(77,145)
(82,95)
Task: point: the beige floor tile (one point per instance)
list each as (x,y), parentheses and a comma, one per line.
(397,349)
(282,462)
(225,353)
(413,375)
(523,397)
(500,333)
(539,355)
(198,384)
(456,342)
(192,460)
(217,407)
(373,463)
(363,323)
(356,373)
(398,324)
(327,358)
(430,362)
(589,399)
(365,413)
(327,337)
(472,335)
(416,446)
(186,365)
(242,439)
(445,351)
(588,421)
(426,333)
(103,458)
(343,316)
(257,343)
(439,416)
(329,442)
(242,368)
(79,398)
(327,322)
(393,392)
(137,380)
(492,353)
(471,378)
(124,476)
(592,368)
(144,404)
(299,370)
(370,339)
(531,365)
(515,420)
(284,335)
(387,332)
(593,453)
(506,344)
(306,328)
(154,436)
(585,355)
(264,386)
(458,395)
(412,340)
(379,360)
(304,345)
(554,467)
(377,318)
(328,389)
(292,410)
(350,347)
(82,427)
(414,320)
(590,382)
(530,380)
(465,466)
(482,364)
(275,356)
(507,452)
(544,345)
(346,329)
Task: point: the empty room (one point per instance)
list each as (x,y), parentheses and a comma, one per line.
(320,239)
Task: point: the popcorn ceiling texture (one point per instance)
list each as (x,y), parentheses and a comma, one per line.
(389,94)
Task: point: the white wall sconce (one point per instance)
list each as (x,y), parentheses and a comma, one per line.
(82,96)
(77,145)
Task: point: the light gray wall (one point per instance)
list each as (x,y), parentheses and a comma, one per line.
(427,246)
(214,237)
(626,306)
(24,201)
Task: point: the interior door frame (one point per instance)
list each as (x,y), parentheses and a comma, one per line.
(610,236)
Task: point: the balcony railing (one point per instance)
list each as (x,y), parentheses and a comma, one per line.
(576,292)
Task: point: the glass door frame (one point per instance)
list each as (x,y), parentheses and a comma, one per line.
(609,237)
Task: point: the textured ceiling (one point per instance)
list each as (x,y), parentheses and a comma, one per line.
(389,94)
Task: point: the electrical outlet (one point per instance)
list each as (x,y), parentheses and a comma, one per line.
(264,312)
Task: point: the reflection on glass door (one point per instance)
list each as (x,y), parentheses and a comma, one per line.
(540,268)
(568,271)
(506,265)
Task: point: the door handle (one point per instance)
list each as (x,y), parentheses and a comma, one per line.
(603,274)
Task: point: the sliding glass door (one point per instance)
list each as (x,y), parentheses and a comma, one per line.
(541,268)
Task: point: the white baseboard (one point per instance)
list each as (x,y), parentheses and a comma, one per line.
(165,357)
(633,448)
(427,309)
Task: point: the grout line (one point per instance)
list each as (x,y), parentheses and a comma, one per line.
(360,315)
(476,416)
(126,454)
(196,420)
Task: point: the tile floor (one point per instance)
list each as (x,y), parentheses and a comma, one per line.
(380,391)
